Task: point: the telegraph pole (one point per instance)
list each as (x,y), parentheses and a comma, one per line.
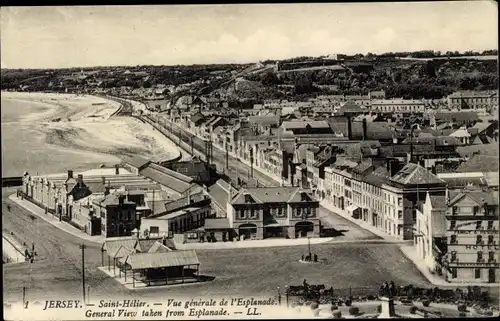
(227,158)
(83,246)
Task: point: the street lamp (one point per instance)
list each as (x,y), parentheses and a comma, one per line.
(286,294)
(279,295)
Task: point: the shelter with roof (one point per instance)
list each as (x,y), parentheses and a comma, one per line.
(152,261)
(161,267)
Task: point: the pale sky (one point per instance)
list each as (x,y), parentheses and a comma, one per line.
(57,37)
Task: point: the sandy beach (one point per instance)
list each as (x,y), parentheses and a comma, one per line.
(43,128)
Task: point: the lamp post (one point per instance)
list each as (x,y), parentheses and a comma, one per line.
(279,295)
(309,245)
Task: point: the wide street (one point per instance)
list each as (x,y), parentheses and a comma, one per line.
(360,265)
(253,271)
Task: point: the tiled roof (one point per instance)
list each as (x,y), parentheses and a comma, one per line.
(480,163)
(111,200)
(489,197)
(219,193)
(457,116)
(136,161)
(460,133)
(413,174)
(112,244)
(437,140)
(350,107)
(271,195)
(144,245)
(157,260)
(294,124)
(158,247)
(378,177)
(264,120)
(167,177)
(484,149)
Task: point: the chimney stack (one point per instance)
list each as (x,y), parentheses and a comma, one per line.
(80,179)
(121,199)
(365,131)
(70,174)
(117,169)
(349,127)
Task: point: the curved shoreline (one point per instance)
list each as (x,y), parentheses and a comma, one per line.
(94,130)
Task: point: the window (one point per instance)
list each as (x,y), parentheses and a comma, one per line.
(400,214)
(154,230)
(490,225)
(453,224)
(253,213)
(479,239)
(453,256)
(454,273)
(453,239)
(475,210)
(491,256)
(455,210)
(491,239)
(273,211)
(400,201)
(248,198)
(478,225)
(241,214)
(477,273)
(479,256)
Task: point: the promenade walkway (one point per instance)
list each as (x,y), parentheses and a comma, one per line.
(12,249)
(51,219)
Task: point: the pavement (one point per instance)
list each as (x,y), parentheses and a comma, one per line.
(51,219)
(411,253)
(12,249)
(361,223)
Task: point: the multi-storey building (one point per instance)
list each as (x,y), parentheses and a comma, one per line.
(398,106)
(117,213)
(257,213)
(472,236)
(384,196)
(477,100)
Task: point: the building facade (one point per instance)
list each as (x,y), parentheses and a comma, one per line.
(472,237)
(258,213)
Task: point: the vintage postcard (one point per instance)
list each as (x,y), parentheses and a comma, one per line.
(250,161)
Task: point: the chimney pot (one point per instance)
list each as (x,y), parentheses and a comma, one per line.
(70,174)
(117,169)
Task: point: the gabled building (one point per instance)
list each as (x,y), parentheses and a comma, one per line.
(117,213)
(257,213)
